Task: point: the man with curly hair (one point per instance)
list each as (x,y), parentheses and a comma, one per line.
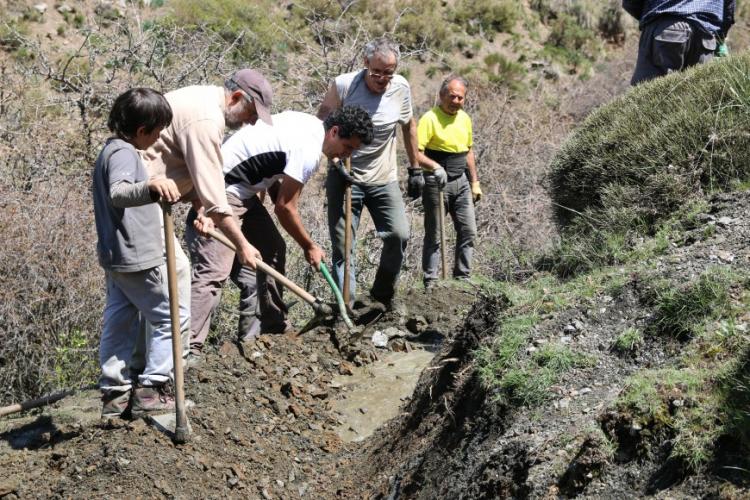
(279,160)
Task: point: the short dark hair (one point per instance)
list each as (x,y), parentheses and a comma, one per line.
(351,120)
(138,107)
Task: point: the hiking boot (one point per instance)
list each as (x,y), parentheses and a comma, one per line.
(115,403)
(152,399)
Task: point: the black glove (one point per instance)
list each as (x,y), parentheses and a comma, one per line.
(346,177)
(415,183)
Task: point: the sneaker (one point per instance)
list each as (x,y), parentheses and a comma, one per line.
(152,399)
(115,403)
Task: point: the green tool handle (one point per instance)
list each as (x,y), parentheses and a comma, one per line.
(337,294)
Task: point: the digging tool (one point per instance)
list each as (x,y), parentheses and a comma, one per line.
(441,224)
(347,235)
(321,309)
(43,401)
(339,298)
(181,430)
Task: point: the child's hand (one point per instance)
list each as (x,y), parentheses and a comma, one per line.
(165,188)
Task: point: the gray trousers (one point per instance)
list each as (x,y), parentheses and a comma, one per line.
(388,212)
(146,328)
(262,308)
(138,302)
(669,44)
(460,205)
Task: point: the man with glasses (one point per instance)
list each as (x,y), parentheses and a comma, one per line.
(189,152)
(386,97)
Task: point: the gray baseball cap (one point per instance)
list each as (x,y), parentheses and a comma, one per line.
(256,86)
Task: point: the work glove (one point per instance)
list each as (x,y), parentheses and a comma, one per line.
(415,183)
(440,176)
(476,191)
(722,50)
(345,176)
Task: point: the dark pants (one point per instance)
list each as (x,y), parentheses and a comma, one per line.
(262,307)
(388,212)
(670,44)
(460,205)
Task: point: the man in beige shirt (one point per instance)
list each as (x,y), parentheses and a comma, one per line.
(189,152)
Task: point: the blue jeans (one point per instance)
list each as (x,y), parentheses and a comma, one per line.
(388,212)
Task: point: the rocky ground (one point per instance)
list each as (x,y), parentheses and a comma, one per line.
(267,420)
(264,422)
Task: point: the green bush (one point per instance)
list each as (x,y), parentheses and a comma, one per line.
(487,16)
(635,161)
(680,310)
(254,23)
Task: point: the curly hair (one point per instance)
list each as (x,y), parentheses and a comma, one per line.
(138,107)
(351,121)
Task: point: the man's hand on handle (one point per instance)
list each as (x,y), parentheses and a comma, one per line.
(314,255)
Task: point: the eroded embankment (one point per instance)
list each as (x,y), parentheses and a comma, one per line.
(659,338)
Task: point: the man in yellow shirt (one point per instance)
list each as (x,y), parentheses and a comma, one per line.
(445,141)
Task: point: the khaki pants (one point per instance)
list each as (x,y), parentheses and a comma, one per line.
(261,300)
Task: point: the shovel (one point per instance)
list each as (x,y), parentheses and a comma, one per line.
(181,431)
(347,236)
(321,309)
(441,225)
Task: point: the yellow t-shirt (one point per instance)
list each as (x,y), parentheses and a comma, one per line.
(440,131)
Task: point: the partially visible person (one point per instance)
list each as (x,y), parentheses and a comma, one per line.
(189,152)
(386,96)
(445,145)
(677,34)
(130,248)
(277,159)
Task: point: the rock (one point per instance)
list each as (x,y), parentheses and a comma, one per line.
(565,339)
(724,221)
(41,8)
(65,9)
(392,333)
(417,324)
(585,390)
(227,348)
(564,403)
(578,325)
(346,368)
(379,339)
(569,329)
(725,256)
(363,411)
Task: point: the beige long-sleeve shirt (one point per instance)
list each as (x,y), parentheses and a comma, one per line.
(189,150)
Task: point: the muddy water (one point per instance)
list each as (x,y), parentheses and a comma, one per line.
(374,394)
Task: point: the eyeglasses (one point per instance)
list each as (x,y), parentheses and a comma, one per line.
(380,76)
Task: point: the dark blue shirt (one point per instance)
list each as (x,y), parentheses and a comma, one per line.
(714,17)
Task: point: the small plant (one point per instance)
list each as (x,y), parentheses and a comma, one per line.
(487,16)
(679,310)
(629,341)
